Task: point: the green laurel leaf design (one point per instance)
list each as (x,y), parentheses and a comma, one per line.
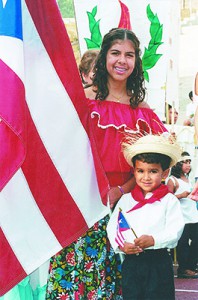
(150,57)
(95,41)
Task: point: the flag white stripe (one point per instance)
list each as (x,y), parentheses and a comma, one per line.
(11,53)
(33,233)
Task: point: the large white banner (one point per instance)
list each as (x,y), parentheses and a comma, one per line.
(154,21)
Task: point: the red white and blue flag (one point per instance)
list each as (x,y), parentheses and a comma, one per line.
(49,190)
(122,225)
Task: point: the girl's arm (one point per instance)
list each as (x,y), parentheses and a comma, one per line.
(173,187)
(115,193)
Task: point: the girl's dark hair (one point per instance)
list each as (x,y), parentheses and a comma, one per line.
(153,158)
(176,170)
(135,82)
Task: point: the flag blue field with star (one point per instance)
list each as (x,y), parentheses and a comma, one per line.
(11,18)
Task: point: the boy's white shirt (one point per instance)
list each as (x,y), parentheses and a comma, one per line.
(162,219)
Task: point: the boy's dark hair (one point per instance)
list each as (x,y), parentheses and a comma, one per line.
(153,158)
(135,82)
(176,170)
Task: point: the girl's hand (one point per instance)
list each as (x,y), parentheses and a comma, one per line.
(114,195)
(185,194)
(130,248)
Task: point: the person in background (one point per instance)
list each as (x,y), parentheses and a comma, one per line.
(148,220)
(170,117)
(86,66)
(190,111)
(114,105)
(194,193)
(196,112)
(187,249)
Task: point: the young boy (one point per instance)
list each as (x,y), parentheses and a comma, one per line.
(147,221)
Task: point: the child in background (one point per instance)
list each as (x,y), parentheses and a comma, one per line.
(187,248)
(155,217)
(86,66)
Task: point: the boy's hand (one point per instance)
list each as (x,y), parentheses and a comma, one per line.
(144,241)
(130,248)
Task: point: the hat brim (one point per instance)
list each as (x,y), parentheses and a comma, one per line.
(152,144)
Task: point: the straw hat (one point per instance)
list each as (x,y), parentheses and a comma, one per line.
(163,144)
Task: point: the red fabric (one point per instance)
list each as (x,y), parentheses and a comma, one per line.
(111,121)
(12,123)
(138,196)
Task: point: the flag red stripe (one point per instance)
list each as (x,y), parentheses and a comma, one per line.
(12,123)
(16,273)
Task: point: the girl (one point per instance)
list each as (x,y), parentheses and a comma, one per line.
(187,248)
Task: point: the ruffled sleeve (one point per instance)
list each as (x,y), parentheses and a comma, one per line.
(122,116)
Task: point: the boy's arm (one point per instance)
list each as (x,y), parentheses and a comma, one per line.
(174,225)
(115,193)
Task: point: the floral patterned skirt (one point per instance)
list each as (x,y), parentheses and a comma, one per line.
(86,269)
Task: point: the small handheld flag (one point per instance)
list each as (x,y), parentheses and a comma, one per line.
(122,225)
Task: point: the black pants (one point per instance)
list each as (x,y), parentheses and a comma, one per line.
(187,253)
(148,276)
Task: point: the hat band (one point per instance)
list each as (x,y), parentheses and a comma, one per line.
(186,157)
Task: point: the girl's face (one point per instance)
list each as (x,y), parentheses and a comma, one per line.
(186,166)
(148,176)
(120,60)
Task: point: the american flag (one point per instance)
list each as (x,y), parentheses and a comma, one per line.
(50,194)
(122,225)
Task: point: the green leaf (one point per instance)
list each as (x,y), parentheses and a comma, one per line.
(91,44)
(96,36)
(150,56)
(146,76)
(151,61)
(153,47)
(94,27)
(156,31)
(149,13)
(92,21)
(94,11)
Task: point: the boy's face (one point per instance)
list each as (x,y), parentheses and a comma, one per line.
(148,176)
